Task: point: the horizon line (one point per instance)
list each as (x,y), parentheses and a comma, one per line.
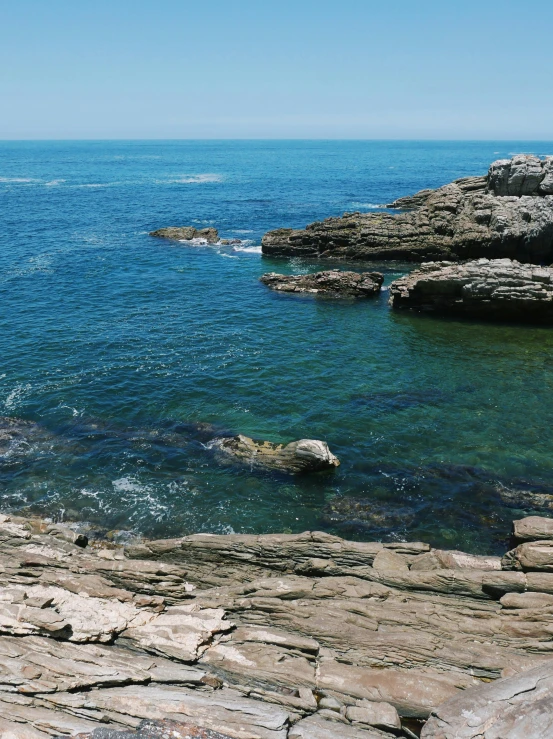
(273,138)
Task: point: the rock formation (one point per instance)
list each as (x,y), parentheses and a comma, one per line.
(508,213)
(332,283)
(187,233)
(305,455)
(300,636)
(498,289)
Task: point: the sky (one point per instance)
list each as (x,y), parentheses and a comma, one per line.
(345,69)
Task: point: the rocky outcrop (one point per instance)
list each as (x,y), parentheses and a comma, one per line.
(498,289)
(187,233)
(305,455)
(299,636)
(331,283)
(508,213)
(519,707)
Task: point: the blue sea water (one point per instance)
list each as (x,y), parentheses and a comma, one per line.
(132,352)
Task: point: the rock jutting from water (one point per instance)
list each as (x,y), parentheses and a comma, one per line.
(333,283)
(187,233)
(498,289)
(508,213)
(297,636)
(305,455)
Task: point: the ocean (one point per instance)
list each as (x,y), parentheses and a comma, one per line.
(131,352)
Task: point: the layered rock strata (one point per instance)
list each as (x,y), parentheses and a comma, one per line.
(332,283)
(508,213)
(187,233)
(259,637)
(498,289)
(297,457)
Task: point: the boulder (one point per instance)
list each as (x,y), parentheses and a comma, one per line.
(305,455)
(518,707)
(187,233)
(532,555)
(333,283)
(533,528)
(508,213)
(497,289)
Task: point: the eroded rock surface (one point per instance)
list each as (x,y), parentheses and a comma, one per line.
(305,455)
(187,233)
(508,213)
(297,636)
(333,283)
(497,289)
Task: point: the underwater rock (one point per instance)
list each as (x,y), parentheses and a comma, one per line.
(333,283)
(508,213)
(187,233)
(305,455)
(497,289)
(349,513)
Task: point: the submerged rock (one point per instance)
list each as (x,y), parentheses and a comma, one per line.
(508,213)
(497,289)
(187,233)
(332,282)
(305,455)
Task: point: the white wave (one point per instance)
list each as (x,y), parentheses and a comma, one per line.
(190,179)
(368,205)
(54,183)
(127,485)
(96,184)
(15,397)
(242,231)
(228,256)
(248,249)
(19,180)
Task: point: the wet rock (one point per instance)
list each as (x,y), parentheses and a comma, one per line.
(525,498)
(187,233)
(499,289)
(164,729)
(508,213)
(331,283)
(518,707)
(305,455)
(533,528)
(230,242)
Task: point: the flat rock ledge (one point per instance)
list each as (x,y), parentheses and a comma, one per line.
(507,213)
(297,457)
(332,283)
(187,233)
(497,289)
(298,636)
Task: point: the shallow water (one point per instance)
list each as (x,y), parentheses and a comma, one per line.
(132,352)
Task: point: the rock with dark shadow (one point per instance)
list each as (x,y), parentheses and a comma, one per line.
(187,233)
(507,213)
(331,283)
(492,289)
(305,455)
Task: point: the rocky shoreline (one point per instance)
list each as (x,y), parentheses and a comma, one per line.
(272,636)
(507,213)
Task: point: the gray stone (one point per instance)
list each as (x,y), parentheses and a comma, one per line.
(187,233)
(499,289)
(508,213)
(333,283)
(305,455)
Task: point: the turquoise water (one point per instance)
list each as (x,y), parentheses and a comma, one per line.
(131,352)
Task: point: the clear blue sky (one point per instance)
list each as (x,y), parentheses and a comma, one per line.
(276,69)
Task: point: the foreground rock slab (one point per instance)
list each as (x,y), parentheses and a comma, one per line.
(333,283)
(520,707)
(508,213)
(496,289)
(281,636)
(187,233)
(305,455)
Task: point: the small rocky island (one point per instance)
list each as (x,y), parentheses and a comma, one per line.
(187,233)
(496,289)
(298,636)
(332,283)
(507,213)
